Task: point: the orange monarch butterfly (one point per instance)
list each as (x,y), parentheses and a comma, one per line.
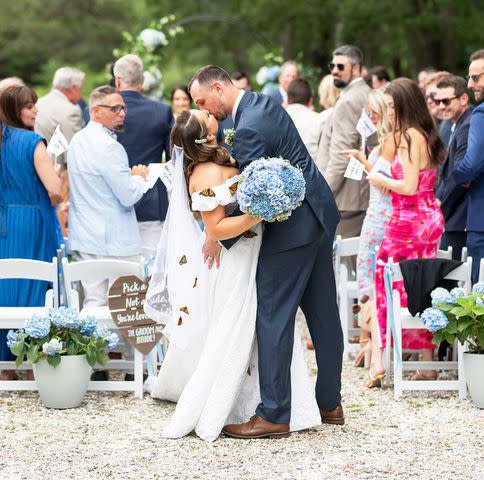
(183,260)
(233,188)
(208,192)
(249,234)
(184,310)
(180,321)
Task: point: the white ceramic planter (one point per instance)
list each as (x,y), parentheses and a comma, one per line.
(63,386)
(474,372)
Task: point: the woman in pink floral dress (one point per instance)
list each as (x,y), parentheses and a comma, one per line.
(416,225)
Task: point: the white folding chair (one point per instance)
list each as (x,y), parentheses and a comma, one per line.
(402,319)
(481,270)
(15,317)
(447,254)
(347,289)
(101,269)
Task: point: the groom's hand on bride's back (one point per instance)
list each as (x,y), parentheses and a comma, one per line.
(211,253)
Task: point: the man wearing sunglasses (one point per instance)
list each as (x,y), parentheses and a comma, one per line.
(103,190)
(470,171)
(452,100)
(340,134)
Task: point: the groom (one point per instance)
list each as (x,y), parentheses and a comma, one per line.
(295,262)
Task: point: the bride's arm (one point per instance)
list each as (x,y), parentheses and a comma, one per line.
(219,227)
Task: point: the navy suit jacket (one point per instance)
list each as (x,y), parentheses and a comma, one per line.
(471,171)
(454,197)
(264,129)
(146,136)
(276,95)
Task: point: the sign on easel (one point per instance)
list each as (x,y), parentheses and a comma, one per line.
(126,298)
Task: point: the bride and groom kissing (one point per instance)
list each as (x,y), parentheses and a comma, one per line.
(235,362)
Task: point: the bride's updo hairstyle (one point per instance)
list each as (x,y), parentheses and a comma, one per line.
(190,134)
(411,111)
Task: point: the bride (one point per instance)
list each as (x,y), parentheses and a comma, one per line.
(210,368)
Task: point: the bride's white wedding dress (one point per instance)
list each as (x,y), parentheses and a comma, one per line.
(211,366)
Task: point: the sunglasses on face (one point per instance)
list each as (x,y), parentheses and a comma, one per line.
(445,101)
(115,108)
(474,78)
(339,66)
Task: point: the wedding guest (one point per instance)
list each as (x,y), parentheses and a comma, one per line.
(380,77)
(470,171)
(28,224)
(11,82)
(422,77)
(241,80)
(60,107)
(103,190)
(340,134)
(146,138)
(452,98)
(416,225)
(180,100)
(327,94)
(444,126)
(377,216)
(309,124)
(289,72)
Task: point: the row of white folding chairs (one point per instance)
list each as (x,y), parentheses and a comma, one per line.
(347,290)
(15,317)
(402,319)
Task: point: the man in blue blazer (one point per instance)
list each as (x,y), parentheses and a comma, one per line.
(470,171)
(146,137)
(452,99)
(295,261)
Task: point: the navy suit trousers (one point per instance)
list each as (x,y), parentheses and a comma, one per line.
(303,277)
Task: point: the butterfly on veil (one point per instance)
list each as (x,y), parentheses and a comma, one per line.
(249,234)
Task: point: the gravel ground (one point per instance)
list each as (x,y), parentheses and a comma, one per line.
(426,435)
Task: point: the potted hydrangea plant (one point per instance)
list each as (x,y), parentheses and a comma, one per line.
(63,348)
(456,314)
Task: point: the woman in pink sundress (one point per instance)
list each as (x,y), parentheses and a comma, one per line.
(416,225)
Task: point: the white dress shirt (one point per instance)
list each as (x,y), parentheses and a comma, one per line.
(102,219)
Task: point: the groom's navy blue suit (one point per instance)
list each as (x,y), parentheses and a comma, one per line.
(295,264)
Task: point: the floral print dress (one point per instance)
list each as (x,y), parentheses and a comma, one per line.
(376,220)
(414,231)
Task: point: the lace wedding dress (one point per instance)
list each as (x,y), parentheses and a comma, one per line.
(211,366)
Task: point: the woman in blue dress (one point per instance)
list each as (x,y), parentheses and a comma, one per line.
(28,223)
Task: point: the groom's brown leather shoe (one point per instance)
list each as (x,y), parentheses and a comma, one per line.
(257,427)
(333,417)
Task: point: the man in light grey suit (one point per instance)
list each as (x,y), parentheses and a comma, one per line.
(59,106)
(340,134)
(309,124)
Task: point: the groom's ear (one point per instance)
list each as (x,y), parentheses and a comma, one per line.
(218,86)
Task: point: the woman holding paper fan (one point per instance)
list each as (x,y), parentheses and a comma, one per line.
(28,224)
(416,225)
(377,216)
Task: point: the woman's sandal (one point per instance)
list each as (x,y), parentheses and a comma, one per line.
(418,375)
(376,381)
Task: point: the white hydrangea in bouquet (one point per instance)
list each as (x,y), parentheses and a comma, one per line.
(271,189)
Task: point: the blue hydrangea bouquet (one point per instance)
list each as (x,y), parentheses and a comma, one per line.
(61,332)
(271,189)
(456,314)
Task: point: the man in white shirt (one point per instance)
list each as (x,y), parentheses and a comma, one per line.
(102,220)
(289,72)
(309,124)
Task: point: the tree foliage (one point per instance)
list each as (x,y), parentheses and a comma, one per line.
(404,35)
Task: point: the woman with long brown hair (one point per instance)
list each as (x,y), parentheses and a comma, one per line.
(416,225)
(28,223)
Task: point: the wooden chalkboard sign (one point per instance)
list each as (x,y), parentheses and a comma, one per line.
(126,298)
